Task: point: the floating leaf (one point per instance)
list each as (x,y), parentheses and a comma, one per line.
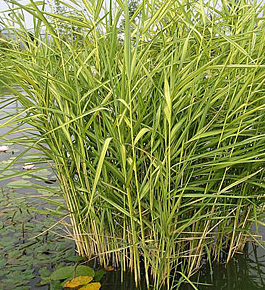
(2,263)
(44,172)
(6,161)
(91,286)
(78,281)
(99,275)
(69,271)
(84,271)
(75,259)
(63,273)
(19,183)
(55,285)
(44,272)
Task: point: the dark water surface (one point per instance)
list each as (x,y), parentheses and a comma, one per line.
(245,271)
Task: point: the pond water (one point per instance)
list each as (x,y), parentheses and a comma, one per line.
(22,258)
(245,271)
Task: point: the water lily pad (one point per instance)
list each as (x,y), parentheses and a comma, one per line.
(55,285)
(8,172)
(91,286)
(18,183)
(44,272)
(78,281)
(18,261)
(22,288)
(69,271)
(6,161)
(75,259)
(43,282)
(84,271)
(44,172)
(99,275)
(2,263)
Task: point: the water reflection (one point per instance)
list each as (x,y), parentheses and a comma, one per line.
(244,272)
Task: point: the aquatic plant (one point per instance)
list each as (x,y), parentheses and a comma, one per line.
(4,148)
(156,129)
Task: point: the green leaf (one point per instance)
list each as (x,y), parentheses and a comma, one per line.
(99,275)
(19,183)
(84,271)
(55,285)
(44,272)
(76,259)
(98,171)
(70,271)
(140,134)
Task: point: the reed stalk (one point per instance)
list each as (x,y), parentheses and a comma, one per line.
(156,129)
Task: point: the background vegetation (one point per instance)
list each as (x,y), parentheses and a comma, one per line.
(155,127)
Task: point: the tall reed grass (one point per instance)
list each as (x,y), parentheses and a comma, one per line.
(157,131)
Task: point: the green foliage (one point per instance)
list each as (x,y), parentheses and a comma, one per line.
(157,138)
(23,254)
(99,275)
(31,247)
(134,15)
(67,272)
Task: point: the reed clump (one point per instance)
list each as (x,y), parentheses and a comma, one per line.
(156,129)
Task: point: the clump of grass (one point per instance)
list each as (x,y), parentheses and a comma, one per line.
(156,131)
